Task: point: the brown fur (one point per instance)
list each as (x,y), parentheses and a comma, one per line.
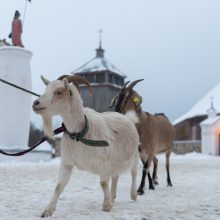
(156,133)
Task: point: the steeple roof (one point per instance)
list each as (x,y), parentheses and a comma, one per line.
(98,63)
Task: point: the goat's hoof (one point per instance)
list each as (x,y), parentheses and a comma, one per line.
(113,199)
(47,213)
(106,207)
(140,191)
(156,182)
(134,196)
(151,187)
(170,184)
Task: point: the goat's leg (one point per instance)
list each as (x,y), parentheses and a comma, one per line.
(145,172)
(104,182)
(155,160)
(134,170)
(114,187)
(64,175)
(169,183)
(150,180)
(142,185)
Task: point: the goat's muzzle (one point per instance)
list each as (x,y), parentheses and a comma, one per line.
(37,106)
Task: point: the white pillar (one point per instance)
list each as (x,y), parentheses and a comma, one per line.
(15,105)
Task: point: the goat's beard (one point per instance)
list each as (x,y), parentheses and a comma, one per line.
(48,129)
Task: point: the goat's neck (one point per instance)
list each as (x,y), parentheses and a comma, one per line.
(139,110)
(73,118)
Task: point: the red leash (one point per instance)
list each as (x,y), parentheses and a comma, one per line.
(56,131)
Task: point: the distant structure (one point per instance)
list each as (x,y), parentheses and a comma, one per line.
(201,123)
(106,80)
(211,132)
(15,110)
(15,104)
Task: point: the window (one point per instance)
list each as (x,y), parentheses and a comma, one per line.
(121,82)
(100,78)
(116,80)
(110,78)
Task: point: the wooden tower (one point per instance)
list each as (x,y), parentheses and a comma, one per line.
(106,80)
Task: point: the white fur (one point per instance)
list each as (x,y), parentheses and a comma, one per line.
(107,162)
(132,115)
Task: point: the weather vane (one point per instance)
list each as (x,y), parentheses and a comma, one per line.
(212,99)
(100,37)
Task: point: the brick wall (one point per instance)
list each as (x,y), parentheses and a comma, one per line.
(183,147)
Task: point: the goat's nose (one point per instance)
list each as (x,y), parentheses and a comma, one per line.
(36,102)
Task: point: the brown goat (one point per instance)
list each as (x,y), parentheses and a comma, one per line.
(156,133)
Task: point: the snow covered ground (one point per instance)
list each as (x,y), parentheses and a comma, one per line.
(26,188)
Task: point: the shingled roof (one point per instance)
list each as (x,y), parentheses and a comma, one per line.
(99,63)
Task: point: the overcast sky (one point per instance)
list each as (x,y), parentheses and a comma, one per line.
(173,44)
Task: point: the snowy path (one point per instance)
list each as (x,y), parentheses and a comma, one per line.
(26,188)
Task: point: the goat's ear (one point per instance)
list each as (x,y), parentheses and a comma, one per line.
(137,100)
(66,83)
(45,81)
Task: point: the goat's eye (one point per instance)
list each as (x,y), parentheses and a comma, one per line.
(58,93)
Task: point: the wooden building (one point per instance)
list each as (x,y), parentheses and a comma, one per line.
(188,125)
(189,129)
(106,80)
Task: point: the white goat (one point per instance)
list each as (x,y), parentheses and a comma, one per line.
(62,98)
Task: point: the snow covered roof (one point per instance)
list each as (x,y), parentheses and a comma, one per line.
(99,63)
(210,121)
(201,107)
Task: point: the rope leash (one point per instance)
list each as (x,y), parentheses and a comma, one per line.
(74,136)
(18,87)
(56,131)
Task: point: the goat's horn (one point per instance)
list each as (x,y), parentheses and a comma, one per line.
(131,86)
(80,80)
(65,76)
(124,86)
(45,81)
(62,77)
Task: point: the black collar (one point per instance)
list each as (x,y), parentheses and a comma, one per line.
(76,136)
(80,136)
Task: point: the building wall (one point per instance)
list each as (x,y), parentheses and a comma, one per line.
(189,129)
(211,138)
(183,147)
(101,98)
(183,130)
